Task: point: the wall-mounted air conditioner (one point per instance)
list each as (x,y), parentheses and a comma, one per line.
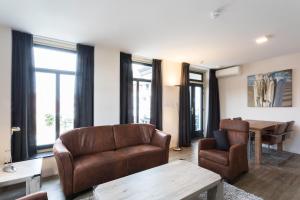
(231,71)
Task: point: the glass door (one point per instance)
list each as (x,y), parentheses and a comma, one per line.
(196,94)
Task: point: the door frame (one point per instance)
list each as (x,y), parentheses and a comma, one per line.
(195,133)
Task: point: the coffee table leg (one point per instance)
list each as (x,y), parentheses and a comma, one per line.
(33,185)
(216,193)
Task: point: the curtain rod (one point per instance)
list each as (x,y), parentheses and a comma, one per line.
(141,59)
(54,43)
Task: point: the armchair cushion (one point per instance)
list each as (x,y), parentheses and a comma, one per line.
(207,143)
(222,142)
(218,156)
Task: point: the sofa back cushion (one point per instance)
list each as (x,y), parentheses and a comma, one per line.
(237,131)
(132,134)
(82,141)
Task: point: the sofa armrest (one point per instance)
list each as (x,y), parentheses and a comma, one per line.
(207,143)
(35,196)
(238,156)
(161,139)
(64,160)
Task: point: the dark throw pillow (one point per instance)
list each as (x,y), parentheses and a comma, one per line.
(221,140)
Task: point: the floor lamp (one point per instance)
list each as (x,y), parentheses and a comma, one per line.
(177,148)
(9,167)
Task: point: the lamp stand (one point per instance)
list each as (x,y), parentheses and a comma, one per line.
(9,167)
(177,149)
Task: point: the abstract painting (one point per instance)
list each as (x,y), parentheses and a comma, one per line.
(271,89)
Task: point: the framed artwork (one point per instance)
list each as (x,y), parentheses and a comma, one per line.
(272,89)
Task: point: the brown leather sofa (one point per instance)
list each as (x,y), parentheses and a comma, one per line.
(35,196)
(89,156)
(229,164)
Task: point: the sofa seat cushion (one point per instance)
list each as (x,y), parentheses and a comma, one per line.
(218,156)
(94,169)
(141,157)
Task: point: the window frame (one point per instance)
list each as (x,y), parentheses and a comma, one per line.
(194,80)
(57,74)
(138,80)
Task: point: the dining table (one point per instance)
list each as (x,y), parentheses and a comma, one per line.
(258,127)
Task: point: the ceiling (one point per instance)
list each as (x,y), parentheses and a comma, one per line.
(178,30)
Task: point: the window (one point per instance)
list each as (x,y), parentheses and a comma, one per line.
(196,77)
(142,76)
(55,85)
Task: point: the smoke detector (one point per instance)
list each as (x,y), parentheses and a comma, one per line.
(220,10)
(216,13)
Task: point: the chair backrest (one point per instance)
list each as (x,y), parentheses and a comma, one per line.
(290,126)
(237,131)
(280,128)
(237,118)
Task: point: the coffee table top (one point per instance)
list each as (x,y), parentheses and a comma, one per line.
(24,170)
(175,180)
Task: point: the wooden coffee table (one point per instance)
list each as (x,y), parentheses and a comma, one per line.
(26,171)
(175,180)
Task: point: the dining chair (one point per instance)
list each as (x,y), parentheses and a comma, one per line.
(275,136)
(237,118)
(289,129)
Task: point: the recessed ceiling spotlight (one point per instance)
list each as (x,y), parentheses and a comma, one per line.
(262,39)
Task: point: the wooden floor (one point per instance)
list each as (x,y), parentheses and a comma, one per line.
(278,178)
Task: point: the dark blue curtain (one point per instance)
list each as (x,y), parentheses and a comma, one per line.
(213,120)
(184,107)
(126,89)
(23,110)
(156,95)
(84,87)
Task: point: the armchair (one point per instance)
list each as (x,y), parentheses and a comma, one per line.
(229,164)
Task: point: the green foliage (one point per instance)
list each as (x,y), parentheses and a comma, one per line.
(49,120)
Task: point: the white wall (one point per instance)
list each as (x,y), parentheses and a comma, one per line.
(5,83)
(106,87)
(233,95)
